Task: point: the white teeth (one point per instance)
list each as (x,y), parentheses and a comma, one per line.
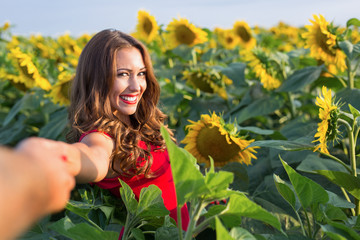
(130,99)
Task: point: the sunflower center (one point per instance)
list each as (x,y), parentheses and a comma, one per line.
(201,83)
(243,34)
(229,40)
(211,143)
(65,89)
(147,26)
(321,39)
(184,35)
(25,71)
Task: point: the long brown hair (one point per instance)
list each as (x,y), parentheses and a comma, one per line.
(90,104)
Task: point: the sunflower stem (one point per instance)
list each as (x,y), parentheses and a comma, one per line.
(348,199)
(350,75)
(342,81)
(292,105)
(308,223)
(352,146)
(179,222)
(300,221)
(193,220)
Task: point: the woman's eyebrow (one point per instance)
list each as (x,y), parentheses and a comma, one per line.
(130,70)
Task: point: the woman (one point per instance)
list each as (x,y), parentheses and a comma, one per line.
(115,121)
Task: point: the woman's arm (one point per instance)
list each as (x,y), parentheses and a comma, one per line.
(87,160)
(95,150)
(30,188)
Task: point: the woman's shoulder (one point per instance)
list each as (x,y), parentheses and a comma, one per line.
(94,131)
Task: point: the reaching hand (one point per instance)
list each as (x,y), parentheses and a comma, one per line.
(50,159)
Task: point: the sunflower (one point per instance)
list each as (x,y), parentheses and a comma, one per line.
(328,114)
(207,81)
(60,91)
(29,74)
(261,70)
(146,28)
(322,43)
(182,32)
(46,49)
(227,38)
(289,36)
(243,32)
(210,136)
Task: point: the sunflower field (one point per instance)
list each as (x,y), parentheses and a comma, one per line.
(266,121)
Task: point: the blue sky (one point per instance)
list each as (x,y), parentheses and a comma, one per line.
(53,18)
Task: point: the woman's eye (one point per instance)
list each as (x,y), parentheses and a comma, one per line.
(122,74)
(142,73)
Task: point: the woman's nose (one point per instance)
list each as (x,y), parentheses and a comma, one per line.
(134,83)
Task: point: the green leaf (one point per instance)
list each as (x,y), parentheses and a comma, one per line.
(137,234)
(218,181)
(13,132)
(239,233)
(282,145)
(236,72)
(286,192)
(128,197)
(151,203)
(221,232)
(81,231)
(354,111)
(166,233)
(308,191)
(28,101)
(340,231)
(335,213)
(260,107)
(347,48)
(313,162)
(337,201)
(189,182)
(55,126)
(353,22)
(79,208)
(241,178)
(256,130)
(349,96)
(300,78)
(214,210)
(240,206)
(345,180)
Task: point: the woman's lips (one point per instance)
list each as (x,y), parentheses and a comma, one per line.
(129,99)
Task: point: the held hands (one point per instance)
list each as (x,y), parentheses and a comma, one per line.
(52,164)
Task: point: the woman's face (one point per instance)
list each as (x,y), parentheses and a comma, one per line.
(129,84)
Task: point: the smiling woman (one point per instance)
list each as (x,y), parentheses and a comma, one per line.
(115,122)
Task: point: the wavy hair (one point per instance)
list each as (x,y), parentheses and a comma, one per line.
(90,106)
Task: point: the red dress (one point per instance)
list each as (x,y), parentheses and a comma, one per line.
(163,179)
